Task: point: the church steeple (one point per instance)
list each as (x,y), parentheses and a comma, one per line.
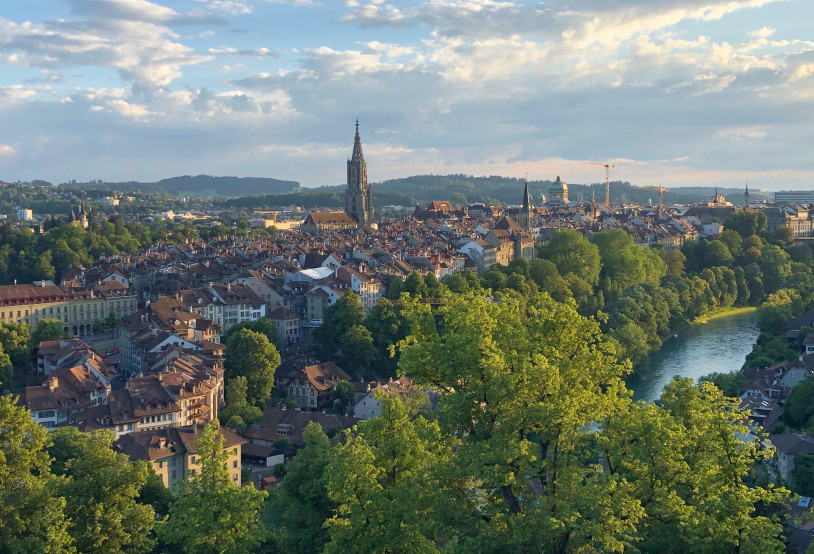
(358,197)
(746,195)
(525,215)
(357,146)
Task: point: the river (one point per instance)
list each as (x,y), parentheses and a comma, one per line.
(720,345)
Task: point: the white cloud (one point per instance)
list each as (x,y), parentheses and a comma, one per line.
(6,150)
(227,6)
(741,133)
(129,36)
(254,53)
(133,111)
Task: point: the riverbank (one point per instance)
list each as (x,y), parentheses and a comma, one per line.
(720,346)
(716,314)
(723,312)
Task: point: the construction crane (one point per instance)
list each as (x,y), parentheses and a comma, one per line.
(661,190)
(607,167)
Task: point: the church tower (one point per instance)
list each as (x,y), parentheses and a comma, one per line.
(524,218)
(558,194)
(358,197)
(746,195)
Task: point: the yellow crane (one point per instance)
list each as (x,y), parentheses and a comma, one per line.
(607,167)
(661,190)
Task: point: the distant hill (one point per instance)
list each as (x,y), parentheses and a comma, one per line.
(199,185)
(466,189)
(330,197)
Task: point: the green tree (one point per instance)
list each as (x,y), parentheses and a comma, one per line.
(387,326)
(343,395)
(262,325)
(686,462)
(711,253)
(799,407)
(16,341)
(48,329)
(102,490)
(238,413)
(803,474)
(674,259)
(573,253)
(32,517)
(211,515)
(6,370)
(338,319)
(387,477)
(154,493)
(111,320)
(358,352)
(395,288)
(251,355)
(521,388)
(416,285)
(746,224)
(729,383)
(625,264)
(44,268)
(303,500)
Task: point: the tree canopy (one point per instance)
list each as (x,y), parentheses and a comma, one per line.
(251,355)
(211,514)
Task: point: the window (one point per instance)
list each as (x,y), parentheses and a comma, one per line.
(160,464)
(173,472)
(192,460)
(234,477)
(234,464)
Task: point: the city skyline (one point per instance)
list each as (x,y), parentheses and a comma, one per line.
(684,93)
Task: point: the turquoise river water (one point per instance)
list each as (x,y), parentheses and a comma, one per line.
(720,345)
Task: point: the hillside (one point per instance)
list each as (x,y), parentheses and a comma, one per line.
(466,189)
(331,197)
(199,185)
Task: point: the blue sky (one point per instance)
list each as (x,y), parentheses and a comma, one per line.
(677,92)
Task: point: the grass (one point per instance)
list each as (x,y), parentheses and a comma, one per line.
(723,312)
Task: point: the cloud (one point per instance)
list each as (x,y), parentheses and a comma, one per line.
(743,133)
(473,86)
(293,2)
(227,6)
(255,53)
(129,36)
(6,150)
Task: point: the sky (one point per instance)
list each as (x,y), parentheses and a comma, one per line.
(672,92)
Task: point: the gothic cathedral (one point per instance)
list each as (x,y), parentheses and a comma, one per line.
(358,197)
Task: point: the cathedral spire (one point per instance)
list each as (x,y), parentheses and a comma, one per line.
(357,146)
(525,218)
(358,196)
(526,196)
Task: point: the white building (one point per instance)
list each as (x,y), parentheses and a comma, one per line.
(25,214)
